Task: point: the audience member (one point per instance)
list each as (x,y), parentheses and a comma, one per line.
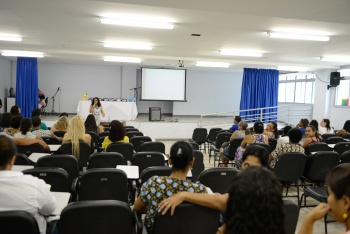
(26,126)
(303,123)
(91,125)
(97,109)
(37,112)
(314,123)
(15,125)
(295,136)
(157,188)
(338,200)
(325,127)
(15,110)
(40,132)
(5,121)
(312,136)
(255,204)
(284,138)
(61,124)
(26,142)
(22,192)
(116,134)
(254,156)
(64,114)
(345,130)
(236,120)
(271,130)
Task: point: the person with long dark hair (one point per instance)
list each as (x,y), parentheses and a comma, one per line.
(91,125)
(97,109)
(345,130)
(312,136)
(116,134)
(325,127)
(271,130)
(25,130)
(303,123)
(314,123)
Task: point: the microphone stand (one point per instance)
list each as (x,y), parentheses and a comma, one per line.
(53,112)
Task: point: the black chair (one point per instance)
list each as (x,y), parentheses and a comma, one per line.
(106,160)
(28,150)
(211,138)
(22,159)
(137,141)
(194,145)
(59,133)
(152,171)
(205,220)
(234,144)
(91,217)
(289,168)
(94,139)
(327,135)
(153,147)
(199,136)
(103,184)
(133,134)
(51,140)
(225,131)
(129,127)
(334,140)
(15,222)
(345,157)
(341,147)
(266,146)
(83,157)
(198,165)
(318,146)
(346,136)
(126,149)
(218,179)
(131,130)
(54,176)
(147,159)
(272,144)
(220,139)
(291,211)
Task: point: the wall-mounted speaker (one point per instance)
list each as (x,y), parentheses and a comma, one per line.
(335,78)
(155,114)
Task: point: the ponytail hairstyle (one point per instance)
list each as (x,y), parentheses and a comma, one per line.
(181,154)
(314,123)
(328,124)
(26,125)
(258,127)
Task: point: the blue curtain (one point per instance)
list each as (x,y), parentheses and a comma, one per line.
(259,89)
(27,85)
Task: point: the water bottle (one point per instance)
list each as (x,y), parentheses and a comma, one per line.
(109,118)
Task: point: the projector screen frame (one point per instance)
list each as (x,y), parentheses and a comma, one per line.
(165,100)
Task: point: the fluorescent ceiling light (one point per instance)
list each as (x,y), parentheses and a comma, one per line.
(336,59)
(240,53)
(137,23)
(211,64)
(127,45)
(7,37)
(292,68)
(122,59)
(297,36)
(17,53)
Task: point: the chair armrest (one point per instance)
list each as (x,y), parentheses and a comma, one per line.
(138,223)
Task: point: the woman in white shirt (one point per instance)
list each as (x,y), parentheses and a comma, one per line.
(26,126)
(325,127)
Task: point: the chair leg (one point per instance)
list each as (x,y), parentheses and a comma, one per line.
(286,191)
(325,224)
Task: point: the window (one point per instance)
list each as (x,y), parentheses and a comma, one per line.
(296,88)
(342,93)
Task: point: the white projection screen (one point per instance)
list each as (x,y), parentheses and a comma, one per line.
(159,84)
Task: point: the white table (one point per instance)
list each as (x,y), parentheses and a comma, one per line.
(21,167)
(62,200)
(35,156)
(113,110)
(132,172)
(54,148)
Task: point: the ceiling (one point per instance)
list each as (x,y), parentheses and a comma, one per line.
(69,31)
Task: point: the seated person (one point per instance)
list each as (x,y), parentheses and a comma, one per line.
(254,204)
(61,124)
(5,121)
(303,123)
(254,156)
(345,130)
(312,136)
(15,110)
(295,136)
(325,127)
(27,142)
(37,112)
(116,134)
(285,138)
(22,192)
(91,125)
(158,188)
(314,123)
(338,200)
(15,125)
(26,126)
(236,120)
(39,132)
(271,130)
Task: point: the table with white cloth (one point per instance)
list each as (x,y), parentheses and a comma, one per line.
(113,110)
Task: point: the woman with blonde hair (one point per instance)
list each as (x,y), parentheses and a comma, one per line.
(61,124)
(76,134)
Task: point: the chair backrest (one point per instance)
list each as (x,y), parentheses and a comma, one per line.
(266,146)
(51,140)
(221,138)
(91,217)
(200,135)
(54,176)
(85,152)
(18,222)
(67,162)
(272,144)
(147,159)
(129,127)
(94,138)
(318,146)
(204,220)
(59,133)
(341,147)
(195,146)
(213,132)
(346,136)
(327,135)
(137,141)
(290,166)
(29,149)
(153,146)
(218,179)
(345,157)
(104,134)
(103,184)
(154,171)
(334,140)
(291,212)
(125,148)
(234,144)
(225,130)
(131,130)
(319,165)
(106,160)
(198,165)
(22,159)
(132,134)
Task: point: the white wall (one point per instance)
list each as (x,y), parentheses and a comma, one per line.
(5,81)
